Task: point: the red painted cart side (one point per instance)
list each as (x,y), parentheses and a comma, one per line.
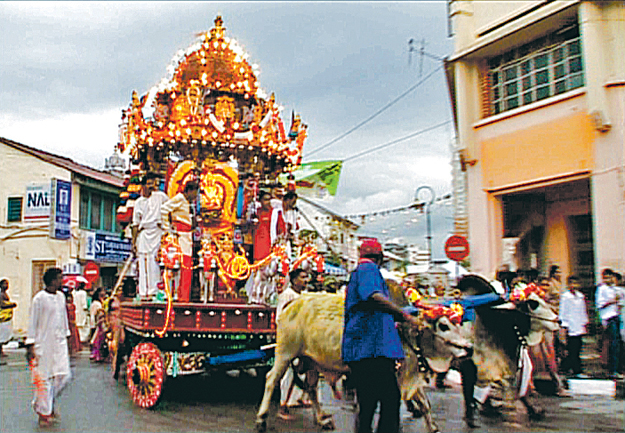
(198,317)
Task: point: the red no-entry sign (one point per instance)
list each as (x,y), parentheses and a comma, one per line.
(457,248)
(91,272)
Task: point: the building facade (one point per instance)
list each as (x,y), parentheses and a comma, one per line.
(37,232)
(333,229)
(537,90)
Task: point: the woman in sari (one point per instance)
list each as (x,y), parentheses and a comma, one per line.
(98,317)
(74,339)
(6,316)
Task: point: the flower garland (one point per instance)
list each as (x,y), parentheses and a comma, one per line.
(521,292)
(433,312)
(166,277)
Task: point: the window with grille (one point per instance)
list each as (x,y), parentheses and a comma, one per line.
(547,67)
(14,209)
(97,210)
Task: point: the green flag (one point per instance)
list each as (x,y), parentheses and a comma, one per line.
(322,176)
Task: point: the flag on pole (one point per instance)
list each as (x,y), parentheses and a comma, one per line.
(321,178)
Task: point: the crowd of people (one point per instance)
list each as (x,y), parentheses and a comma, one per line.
(581,311)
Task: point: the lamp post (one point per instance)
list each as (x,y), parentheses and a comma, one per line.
(425,194)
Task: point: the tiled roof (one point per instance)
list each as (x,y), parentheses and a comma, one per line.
(64,162)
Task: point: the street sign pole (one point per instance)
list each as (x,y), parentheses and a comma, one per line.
(457,249)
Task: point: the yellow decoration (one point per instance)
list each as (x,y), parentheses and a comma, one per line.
(184,172)
(212,103)
(224,109)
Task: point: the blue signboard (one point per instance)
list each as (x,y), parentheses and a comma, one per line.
(111,248)
(61,209)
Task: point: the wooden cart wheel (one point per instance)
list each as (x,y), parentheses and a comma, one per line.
(145,374)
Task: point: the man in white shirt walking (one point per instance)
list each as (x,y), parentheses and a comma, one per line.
(46,346)
(607,299)
(289,395)
(146,234)
(574,319)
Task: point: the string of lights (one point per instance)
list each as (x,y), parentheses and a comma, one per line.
(412,206)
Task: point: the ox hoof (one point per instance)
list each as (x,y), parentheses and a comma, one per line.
(327,424)
(261,426)
(537,414)
(416,413)
(326,421)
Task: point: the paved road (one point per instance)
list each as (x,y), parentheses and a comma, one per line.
(93,402)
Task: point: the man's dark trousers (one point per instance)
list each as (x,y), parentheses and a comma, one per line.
(375,381)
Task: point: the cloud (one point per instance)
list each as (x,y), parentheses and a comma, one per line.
(68,69)
(86,138)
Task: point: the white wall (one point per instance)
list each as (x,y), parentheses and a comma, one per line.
(18,250)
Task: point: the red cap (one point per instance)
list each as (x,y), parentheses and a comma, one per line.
(370,247)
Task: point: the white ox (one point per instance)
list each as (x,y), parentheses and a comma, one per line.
(311,328)
(500,330)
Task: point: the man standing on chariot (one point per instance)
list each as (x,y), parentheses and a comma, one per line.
(179,211)
(147,233)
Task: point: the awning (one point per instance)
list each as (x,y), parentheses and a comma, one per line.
(334,270)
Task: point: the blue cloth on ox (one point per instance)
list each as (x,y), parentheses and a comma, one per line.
(469,303)
(368,332)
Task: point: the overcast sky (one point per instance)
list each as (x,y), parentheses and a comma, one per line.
(68,69)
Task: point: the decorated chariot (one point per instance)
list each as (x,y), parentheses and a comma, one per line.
(208,122)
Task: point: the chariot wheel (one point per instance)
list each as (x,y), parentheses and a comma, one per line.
(145,373)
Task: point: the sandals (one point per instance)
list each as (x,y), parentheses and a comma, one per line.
(46,420)
(285,416)
(300,404)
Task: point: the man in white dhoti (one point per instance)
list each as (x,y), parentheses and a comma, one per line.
(146,234)
(47,346)
(82,312)
(290,396)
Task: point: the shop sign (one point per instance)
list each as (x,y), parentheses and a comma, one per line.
(111,248)
(37,206)
(89,245)
(61,209)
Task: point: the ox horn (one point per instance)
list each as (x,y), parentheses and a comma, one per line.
(505,306)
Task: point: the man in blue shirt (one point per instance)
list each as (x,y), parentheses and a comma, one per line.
(371,343)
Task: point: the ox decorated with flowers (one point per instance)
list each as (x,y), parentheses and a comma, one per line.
(502,332)
(311,329)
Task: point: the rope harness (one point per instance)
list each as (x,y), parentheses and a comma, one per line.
(424,365)
(534,316)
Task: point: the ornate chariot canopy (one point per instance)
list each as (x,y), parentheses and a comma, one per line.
(211,107)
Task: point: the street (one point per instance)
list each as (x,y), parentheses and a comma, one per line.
(93,402)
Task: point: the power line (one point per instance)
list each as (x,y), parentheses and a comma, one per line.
(376,114)
(399,140)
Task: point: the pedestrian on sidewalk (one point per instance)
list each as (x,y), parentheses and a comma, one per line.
(618,283)
(6,317)
(607,299)
(74,339)
(98,317)
(46,346)
(82,310)
(574,318)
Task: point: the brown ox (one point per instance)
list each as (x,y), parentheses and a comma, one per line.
(311,328)
(499,332)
